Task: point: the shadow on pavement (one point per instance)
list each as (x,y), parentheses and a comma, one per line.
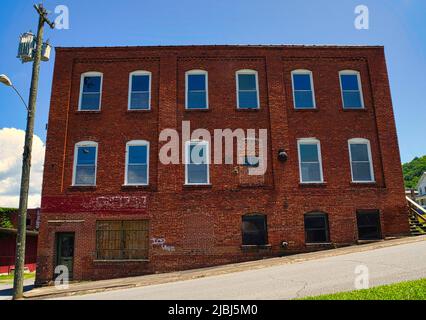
(7,292)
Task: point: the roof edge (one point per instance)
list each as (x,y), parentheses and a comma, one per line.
(237,46)
(421,180)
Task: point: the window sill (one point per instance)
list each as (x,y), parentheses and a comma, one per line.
(121,261)
(88,112)
(139,110)
(354,109)
(82,188)
(248,109)
(306,109)
(136,187)
(313,185)
(320,244)
(197,186)
(254,186)
(369,241)
(248,248)
(364,184)
(197,110)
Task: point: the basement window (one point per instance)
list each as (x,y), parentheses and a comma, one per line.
(254,230)
(369,225)
(316,228)
(122,240)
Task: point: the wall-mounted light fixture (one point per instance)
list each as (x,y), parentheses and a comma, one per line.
(282,155)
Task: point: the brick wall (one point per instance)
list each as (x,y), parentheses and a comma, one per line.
(203,224)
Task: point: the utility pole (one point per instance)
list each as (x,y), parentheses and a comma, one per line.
(18,281)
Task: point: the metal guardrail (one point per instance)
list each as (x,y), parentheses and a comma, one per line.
(416,210)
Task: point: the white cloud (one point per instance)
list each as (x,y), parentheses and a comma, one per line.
(11,149)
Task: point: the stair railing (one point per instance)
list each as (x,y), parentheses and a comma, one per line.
(416,210)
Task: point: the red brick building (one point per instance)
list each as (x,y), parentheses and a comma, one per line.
(8,231)
(111,208)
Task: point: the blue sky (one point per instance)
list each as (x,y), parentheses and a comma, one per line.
(399,25)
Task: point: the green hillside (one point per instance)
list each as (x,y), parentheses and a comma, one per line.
(413,171)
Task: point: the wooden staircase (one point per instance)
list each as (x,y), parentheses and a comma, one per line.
(417,218)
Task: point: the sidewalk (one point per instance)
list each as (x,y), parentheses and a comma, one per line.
(125,283)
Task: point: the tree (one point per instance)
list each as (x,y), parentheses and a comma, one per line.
(413,171)
(5,221)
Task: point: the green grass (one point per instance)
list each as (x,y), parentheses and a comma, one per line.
(9,278)
(412,290)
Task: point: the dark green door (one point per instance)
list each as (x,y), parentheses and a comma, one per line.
(65,251)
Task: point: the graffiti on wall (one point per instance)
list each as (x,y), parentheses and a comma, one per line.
(161,243)
(116,203)
(105,203)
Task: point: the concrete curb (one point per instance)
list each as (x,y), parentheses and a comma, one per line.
(156,279)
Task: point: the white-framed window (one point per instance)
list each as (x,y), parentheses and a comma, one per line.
(137,163)
(90,91)
(351,88)
(247,89)
(85,163)
(197,162)
(303,89)
(140,90)
(196,90)
(361,161)
(310,162)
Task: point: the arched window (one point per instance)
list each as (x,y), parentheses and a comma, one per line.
(247,89)
(197,90)
(351,88)
(197,162)
(316,228)
(140,90)
(85,163)
(310,161)
(255,230)
(137,163)
(361,160)
(303,89)
(90,91)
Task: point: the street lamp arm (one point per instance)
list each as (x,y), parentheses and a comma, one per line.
(22,99)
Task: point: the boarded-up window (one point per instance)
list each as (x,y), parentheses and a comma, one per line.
(249,164)
(255,230)
(369,225)
(316,228)
(122,240)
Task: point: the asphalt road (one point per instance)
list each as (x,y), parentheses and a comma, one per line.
(6,289)
(289,281)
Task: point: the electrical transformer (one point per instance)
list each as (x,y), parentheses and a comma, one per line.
(26,47)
